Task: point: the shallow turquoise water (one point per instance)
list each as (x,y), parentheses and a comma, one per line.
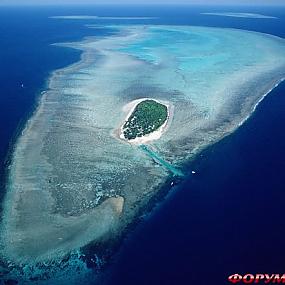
(172,169)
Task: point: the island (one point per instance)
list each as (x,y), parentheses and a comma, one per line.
(145,118)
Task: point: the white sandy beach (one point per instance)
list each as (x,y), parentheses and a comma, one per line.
(129,109)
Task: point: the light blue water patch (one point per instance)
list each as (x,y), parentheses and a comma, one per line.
(188,54)
(155,156)
(158,39)
(240,15)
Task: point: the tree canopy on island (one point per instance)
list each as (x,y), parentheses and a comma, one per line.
(148,116)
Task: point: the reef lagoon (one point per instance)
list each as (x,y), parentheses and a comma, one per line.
(72,184)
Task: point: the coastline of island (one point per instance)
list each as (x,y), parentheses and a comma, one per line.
(154,135)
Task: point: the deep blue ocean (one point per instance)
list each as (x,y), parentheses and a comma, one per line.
(228,217)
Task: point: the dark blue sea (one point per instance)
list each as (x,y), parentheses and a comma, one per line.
(228,217)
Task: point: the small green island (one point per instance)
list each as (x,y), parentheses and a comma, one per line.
(148,116)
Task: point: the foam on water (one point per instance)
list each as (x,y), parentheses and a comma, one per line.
(71,181)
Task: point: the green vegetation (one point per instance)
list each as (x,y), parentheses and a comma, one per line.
(147,117)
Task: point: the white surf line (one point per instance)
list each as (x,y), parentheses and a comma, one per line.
(261,99)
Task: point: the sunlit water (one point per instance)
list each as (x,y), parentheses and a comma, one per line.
(69,169)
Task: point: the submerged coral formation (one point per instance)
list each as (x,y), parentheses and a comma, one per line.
(72,181)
